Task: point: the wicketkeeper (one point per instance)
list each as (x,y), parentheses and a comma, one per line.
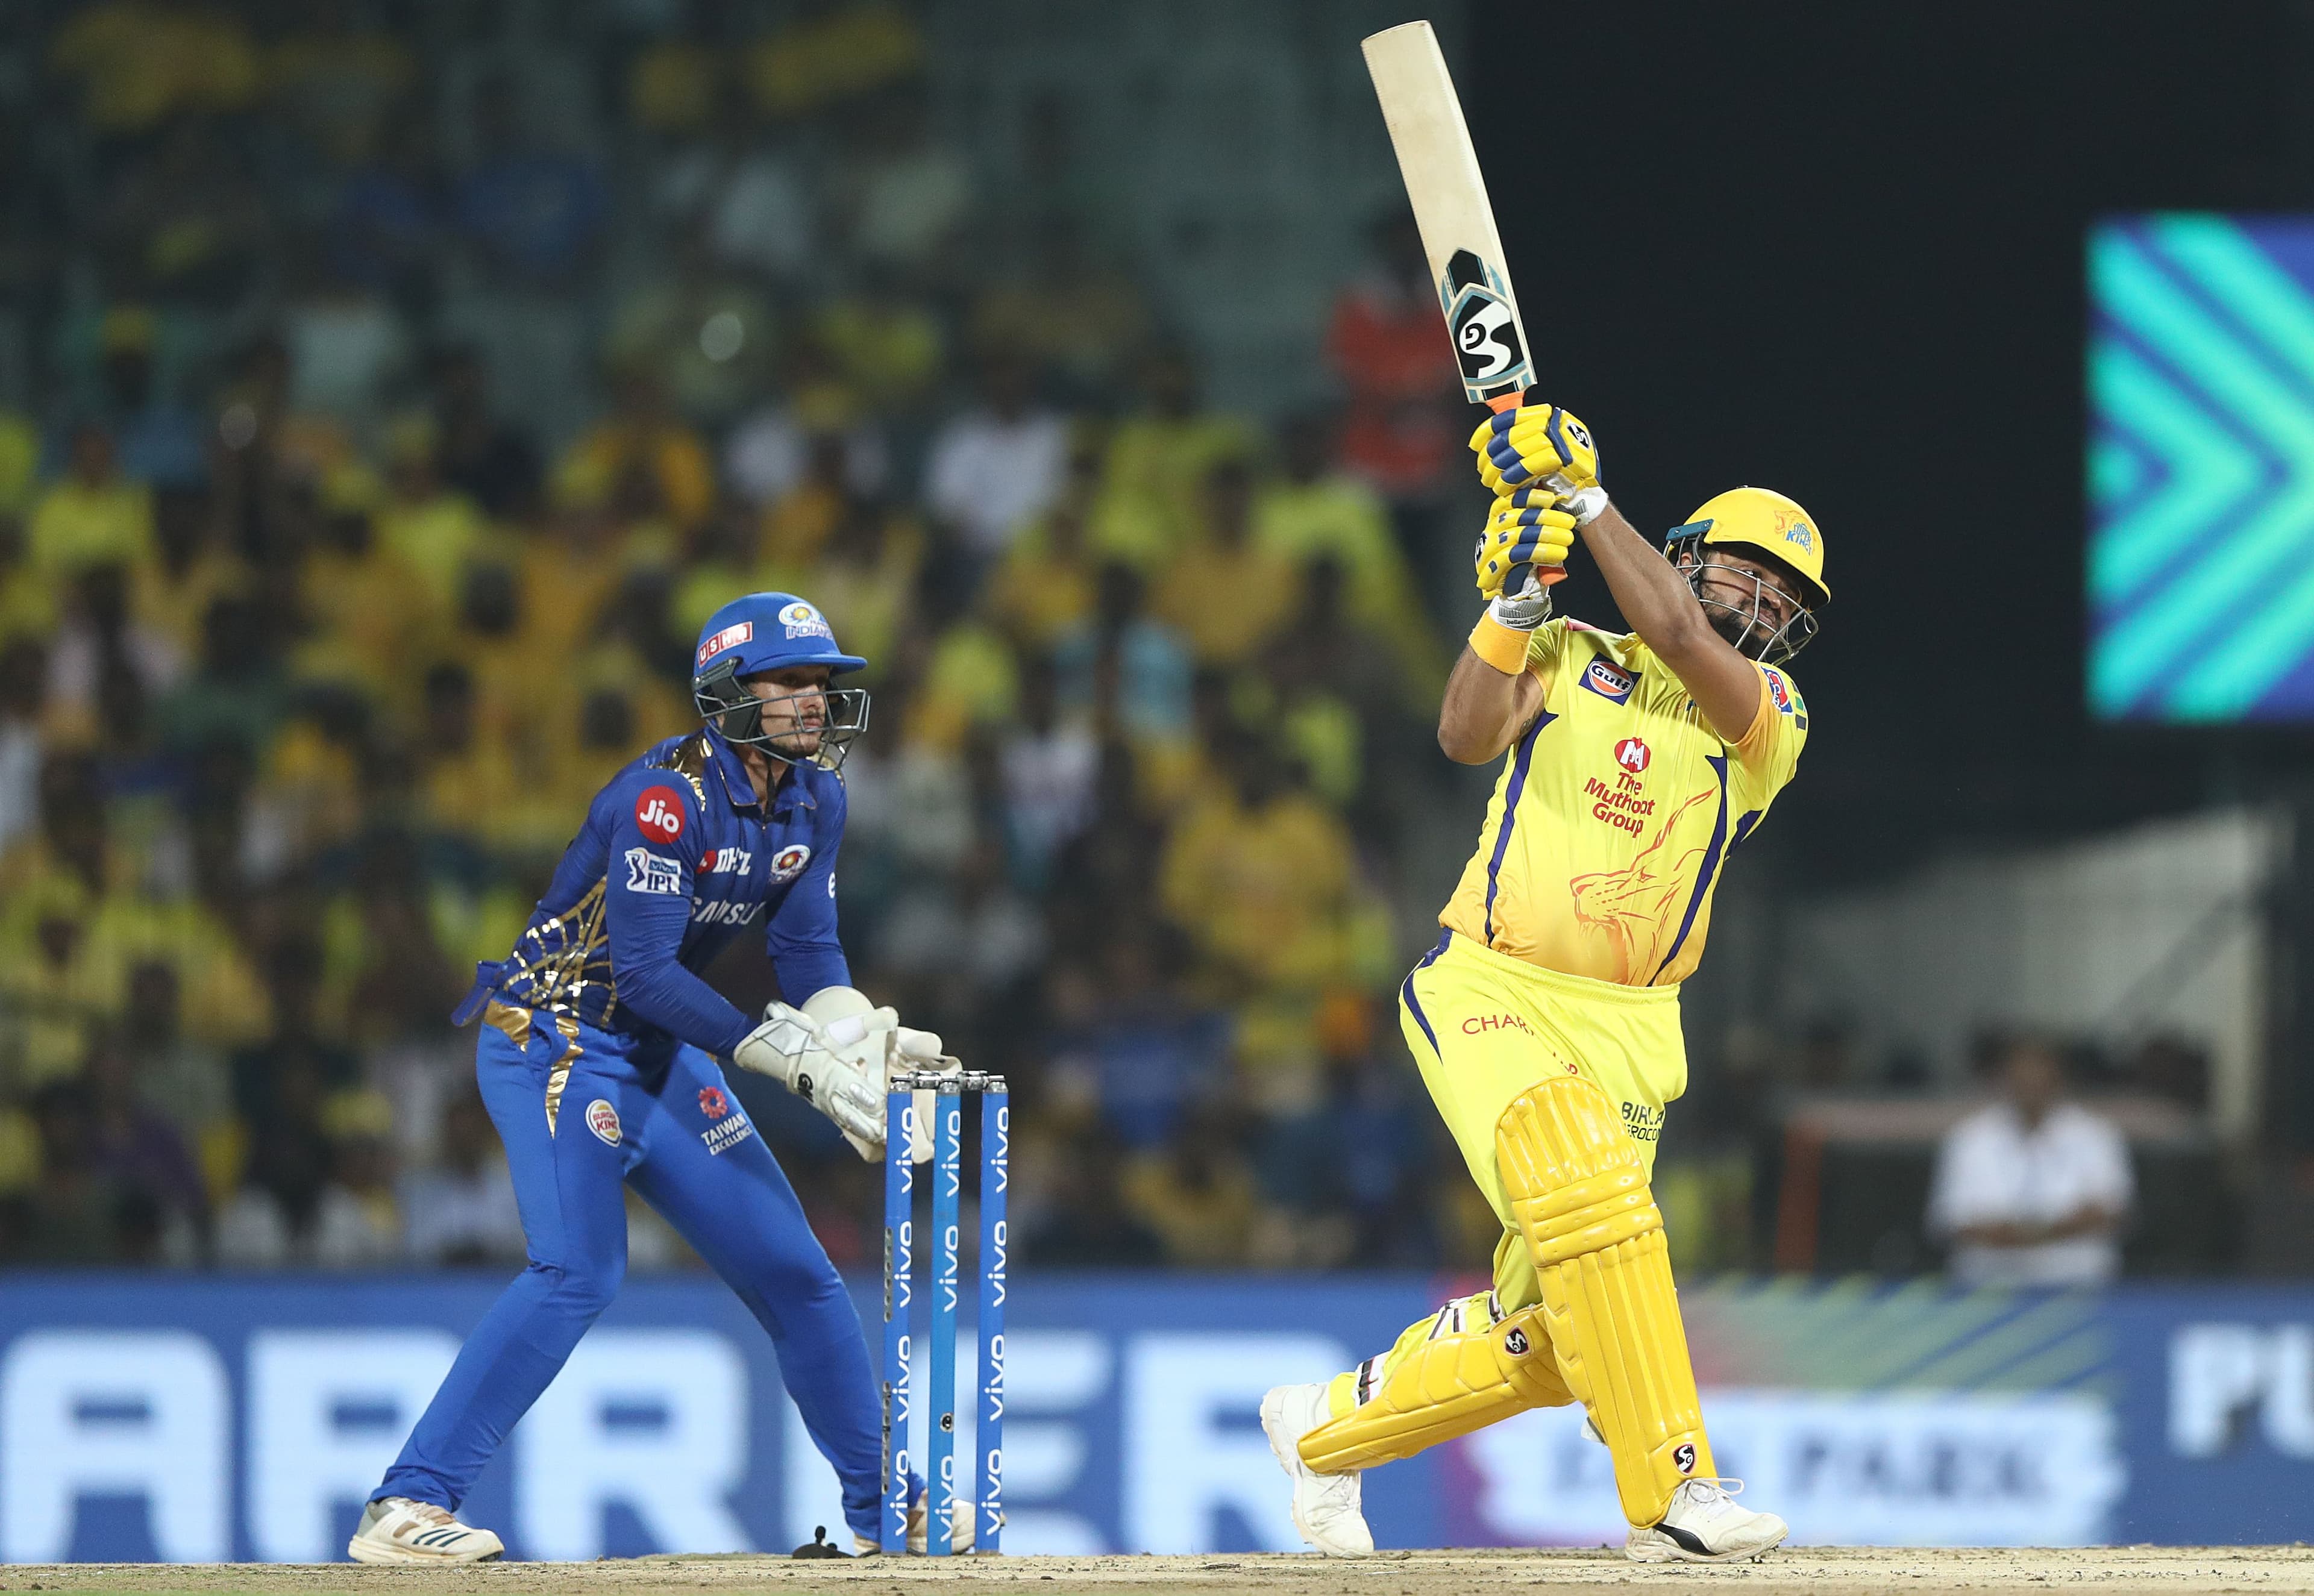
(1546,1020)
(601,1059)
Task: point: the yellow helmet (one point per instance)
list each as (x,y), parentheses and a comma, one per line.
(1762,521)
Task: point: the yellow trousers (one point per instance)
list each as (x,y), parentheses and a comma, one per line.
(1485,1029)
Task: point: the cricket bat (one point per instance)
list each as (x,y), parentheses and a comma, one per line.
(1450,207)
(1457,223)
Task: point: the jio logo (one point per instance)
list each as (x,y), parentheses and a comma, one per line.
(659,814)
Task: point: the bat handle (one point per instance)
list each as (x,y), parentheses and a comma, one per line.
(1545,574)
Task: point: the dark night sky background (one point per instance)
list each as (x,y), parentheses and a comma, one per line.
(1836,250)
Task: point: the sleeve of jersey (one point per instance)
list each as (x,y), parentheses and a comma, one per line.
(801,937)
(647,908)
(1544,648)
(1770,752)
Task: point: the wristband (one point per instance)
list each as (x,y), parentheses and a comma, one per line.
(1500,645)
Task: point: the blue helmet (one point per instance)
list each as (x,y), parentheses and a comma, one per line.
(770,631)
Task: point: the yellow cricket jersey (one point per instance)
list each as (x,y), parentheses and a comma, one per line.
(1616,811)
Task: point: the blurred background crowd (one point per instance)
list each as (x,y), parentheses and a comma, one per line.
(388,451)
(394,388)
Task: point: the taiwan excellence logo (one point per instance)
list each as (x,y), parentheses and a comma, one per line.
(712,1103)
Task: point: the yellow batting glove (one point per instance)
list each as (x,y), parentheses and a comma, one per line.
(1526,528)
(1535,444)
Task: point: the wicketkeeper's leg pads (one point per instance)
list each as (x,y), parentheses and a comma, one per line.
(1579,1195)
(1460,1370)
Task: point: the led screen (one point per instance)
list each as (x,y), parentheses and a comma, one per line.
(2201,468)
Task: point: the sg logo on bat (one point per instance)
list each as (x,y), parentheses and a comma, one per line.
(1486,341)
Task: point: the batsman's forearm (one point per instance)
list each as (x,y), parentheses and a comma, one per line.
(1481,712)
(1654,597)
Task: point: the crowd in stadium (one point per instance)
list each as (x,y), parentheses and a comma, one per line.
(316,639)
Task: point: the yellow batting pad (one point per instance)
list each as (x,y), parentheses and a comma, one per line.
(1578,1193)
(1459,1371)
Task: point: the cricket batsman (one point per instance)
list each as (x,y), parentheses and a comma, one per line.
(1546,1020)
(601,1059)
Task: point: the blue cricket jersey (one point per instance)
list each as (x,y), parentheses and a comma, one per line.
(678,858)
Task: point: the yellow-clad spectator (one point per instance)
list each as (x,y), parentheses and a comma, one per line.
(368,610)
(882,343)
(657,708)
(1074,313)
(29,604)
(1263,879)
(20,461)
(1156,461)
(1198,1195)
(308,789)
(726,559)
(642,456)
(465,780)
(92,515)
(223,1002)
(834,55)
(1047,582)
(190,570)
(570,570)
(53,991)
(799,523)
(864,578)
(672,86)
(139,63)
(493,642)
(433,529)
(1313,511)
(1224,593)
(970,681)
(604,732)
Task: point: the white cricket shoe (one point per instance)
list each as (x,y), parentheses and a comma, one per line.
(397,1530)
(1325,1505)
(1704,1525)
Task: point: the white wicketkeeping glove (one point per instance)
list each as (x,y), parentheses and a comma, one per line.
(874,1039)
(811,1060)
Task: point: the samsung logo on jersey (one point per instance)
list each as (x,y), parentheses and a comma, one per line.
(1610,682)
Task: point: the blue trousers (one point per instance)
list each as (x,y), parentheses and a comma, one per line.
(681,1138)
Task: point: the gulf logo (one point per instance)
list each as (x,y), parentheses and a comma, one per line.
(1609,681)
(787,863)
(1632,754)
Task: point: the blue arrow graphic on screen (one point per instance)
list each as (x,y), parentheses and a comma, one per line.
(2202,582)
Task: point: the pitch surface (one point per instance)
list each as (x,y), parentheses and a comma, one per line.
(1805,1572)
